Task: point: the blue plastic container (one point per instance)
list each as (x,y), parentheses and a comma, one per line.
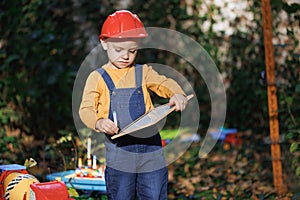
(95,184)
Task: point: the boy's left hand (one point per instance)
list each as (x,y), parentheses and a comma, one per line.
(179,101)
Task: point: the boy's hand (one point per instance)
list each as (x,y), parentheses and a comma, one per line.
(179,101)
(107,126)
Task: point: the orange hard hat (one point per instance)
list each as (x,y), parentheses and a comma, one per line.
(123,24)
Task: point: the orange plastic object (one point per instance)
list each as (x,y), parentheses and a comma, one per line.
(233,139)
(123,24)
(54,190)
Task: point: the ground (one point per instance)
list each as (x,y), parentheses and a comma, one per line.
(228,172)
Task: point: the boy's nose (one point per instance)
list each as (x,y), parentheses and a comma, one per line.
(125,55)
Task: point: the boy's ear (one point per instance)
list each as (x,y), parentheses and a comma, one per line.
(104,44)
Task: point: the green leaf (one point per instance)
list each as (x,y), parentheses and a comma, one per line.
(289,100)
(289,135)
(11,58)
(297,89)
(294,147)
(8,139)
(293,8)
(298,171)
(72,192)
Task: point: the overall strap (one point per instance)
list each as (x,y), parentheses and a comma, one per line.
(110,84)
(138,75)
(107,79)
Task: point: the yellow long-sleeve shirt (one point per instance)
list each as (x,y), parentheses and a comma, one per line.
(96,97)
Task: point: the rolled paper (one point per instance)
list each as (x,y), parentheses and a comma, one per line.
(94,162)
(89,148)
(79,163)
(89,163)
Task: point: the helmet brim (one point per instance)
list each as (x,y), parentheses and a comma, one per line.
(134,33)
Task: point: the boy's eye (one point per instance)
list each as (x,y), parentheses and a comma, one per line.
(118,50)
(132,50)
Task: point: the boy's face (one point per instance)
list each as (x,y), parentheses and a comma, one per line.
(121,52)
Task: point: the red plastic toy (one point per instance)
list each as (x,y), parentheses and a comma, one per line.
(54,190)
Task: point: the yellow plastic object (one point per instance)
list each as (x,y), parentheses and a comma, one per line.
(17,185)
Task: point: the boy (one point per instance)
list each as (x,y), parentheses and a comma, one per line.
(117,94)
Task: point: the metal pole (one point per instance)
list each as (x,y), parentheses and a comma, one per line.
(272,98)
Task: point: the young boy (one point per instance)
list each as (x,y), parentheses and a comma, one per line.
(115,95)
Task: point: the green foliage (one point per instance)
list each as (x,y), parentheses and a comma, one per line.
(64,151)
(294,147)
(37,68)
(290,91)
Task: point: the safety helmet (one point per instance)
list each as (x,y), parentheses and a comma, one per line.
(123,24)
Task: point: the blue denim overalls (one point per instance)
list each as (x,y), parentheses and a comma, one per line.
(132,163)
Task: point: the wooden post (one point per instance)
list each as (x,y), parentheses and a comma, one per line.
(272,98)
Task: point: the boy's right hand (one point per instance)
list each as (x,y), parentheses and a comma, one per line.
(107,126)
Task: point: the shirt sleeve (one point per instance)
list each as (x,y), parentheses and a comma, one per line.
(90,100)
(160,84)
